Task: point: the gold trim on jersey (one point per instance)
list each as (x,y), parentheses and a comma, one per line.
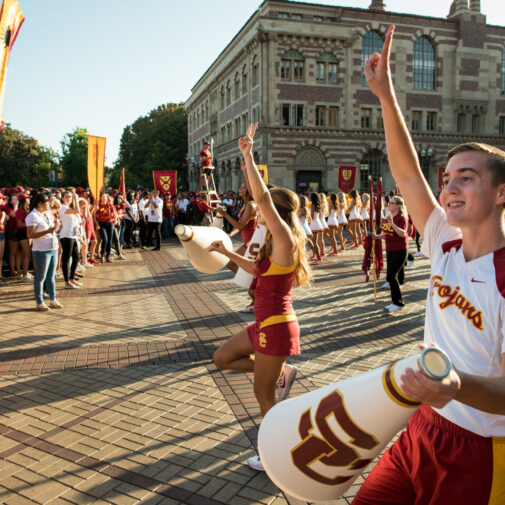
(497,494)
(275,269)
(280,318)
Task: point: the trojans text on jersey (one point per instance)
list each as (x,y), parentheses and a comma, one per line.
(452,296)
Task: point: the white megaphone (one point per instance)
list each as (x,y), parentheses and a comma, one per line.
(243,278)
(314,446)
(218,221)
(197,240)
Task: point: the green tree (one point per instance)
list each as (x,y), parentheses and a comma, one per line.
(74,158)
(22,160)
(157,141)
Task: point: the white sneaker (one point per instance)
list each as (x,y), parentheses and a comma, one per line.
(80,268)
(390,306)
(77,283)
(55,304)
(29,275)
(26,278)
(395,308)
(249,308)
(122,257)
(88,265)
(285,382)
(385,285)
(419,253)
(256,464)
(410,263)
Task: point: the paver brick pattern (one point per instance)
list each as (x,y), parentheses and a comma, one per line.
(114,399)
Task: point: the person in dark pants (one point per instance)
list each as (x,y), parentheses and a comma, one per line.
(143,203)
(131,219)
(394,231)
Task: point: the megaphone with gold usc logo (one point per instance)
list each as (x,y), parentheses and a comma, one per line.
(314,446)
(197,241)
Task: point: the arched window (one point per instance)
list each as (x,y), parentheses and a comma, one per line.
(424,64)
(244,80)
(292,62)
(254,77)
(228,93)
(503,72)
(222,97)
(327,67)
(372,43)
(237,86)
(371,164)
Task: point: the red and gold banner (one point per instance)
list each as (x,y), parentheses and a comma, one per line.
(263,170)
(96,165)
(122,186)
(440,180)
(165,181)
(346,178)
(11,19)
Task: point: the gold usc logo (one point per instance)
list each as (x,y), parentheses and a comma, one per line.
(330,450)
(346,174)
(165,182)
(262,340)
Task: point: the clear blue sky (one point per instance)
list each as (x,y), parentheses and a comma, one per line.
(100,64)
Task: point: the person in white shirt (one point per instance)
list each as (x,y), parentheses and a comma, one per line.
(182,208)
(453,449)
(131,218)
(143,204)
(41,228)
(154,218)
(69,237)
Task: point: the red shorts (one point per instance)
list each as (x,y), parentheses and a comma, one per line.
(435,462)
(90,230)
(281,339)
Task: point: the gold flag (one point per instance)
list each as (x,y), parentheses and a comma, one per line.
(263,170)
(11,19)
(96,165)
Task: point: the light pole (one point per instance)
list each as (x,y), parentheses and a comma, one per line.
(425,156)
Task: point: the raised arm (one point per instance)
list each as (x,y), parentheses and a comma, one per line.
(282,253)
(402,154)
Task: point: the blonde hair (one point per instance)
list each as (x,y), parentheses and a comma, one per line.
(342,202)
(365,198)
(304,205)
(324,203)
(287,204)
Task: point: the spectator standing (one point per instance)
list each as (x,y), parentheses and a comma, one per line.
(41,227)
(69,238)
(22,239)
(182,208)
(105,214)
(130,219)
(155,218)
(3,221)
(11,235)
(168,216)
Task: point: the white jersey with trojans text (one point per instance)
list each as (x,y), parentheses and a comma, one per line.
(465,314)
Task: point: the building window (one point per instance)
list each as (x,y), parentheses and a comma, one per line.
(366,115)
(319,19)
(244,81)
(282,15)
(371,164)
(237,86)
(332,116)
(254,77)
(501,125)
(460,122)
(417,117)
(228,93)
(503,72)
(222,97)
(372,43)
(326,68)
(431,121)
(475,123)
(292,114)
(292,62)
(320,115)
(296,16)
(380,120)
(424,64)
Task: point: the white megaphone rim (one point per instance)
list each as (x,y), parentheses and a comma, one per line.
(184,233)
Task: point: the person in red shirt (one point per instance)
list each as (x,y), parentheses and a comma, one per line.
(11,234)
(105,215)
(3,220)
(22,239)
(394,231)
(206,159)
(168,216)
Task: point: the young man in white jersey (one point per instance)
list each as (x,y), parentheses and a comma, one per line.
(453,450)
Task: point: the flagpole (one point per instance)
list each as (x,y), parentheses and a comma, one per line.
(372,231)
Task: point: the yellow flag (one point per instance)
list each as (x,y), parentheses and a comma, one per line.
(96,165)
(263,170)
(11,19)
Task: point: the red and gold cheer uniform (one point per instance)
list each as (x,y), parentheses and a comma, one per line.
(248,231)
(276,331)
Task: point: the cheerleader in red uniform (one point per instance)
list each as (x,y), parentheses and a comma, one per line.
(264,346)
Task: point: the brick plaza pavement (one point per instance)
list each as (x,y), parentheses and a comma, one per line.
(114,399)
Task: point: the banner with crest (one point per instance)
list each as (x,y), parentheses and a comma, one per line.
(263,170)
(96,164)
(346,178)
(165,181)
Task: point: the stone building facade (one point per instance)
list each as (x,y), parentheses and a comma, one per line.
(297,69)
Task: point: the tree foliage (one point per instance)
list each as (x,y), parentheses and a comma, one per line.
(74,158)
(23,161)
(157,141)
